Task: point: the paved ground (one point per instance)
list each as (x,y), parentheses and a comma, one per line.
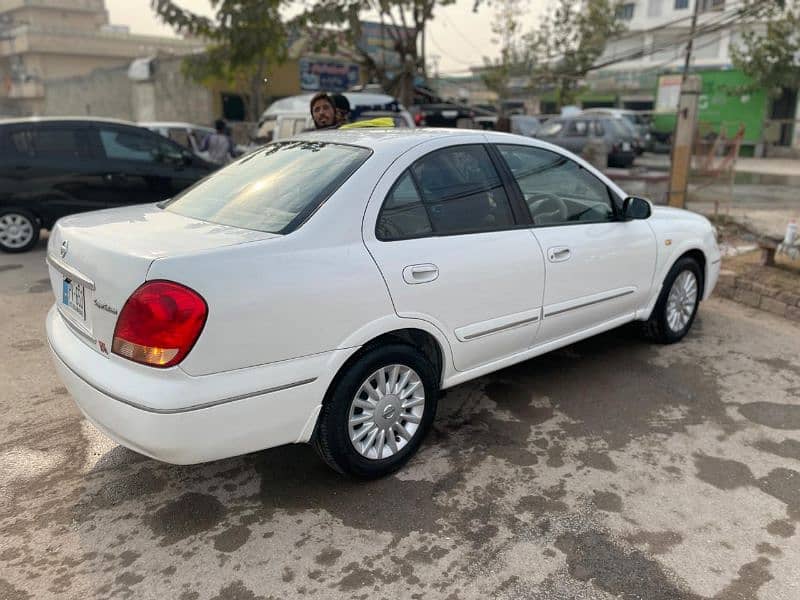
(609,469)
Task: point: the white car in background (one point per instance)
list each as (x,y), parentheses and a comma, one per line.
(326,288)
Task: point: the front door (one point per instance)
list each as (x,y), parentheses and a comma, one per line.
(450,246)
(143,167)
(599,268)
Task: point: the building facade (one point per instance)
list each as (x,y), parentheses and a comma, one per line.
(48,40)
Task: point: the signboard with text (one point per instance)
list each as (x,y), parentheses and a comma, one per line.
(327,75)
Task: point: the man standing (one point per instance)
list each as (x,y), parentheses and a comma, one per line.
(218,145)
(323,111)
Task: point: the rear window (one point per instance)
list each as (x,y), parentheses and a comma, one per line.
(274,189)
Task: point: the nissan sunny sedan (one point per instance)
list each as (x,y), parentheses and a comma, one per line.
(324,289)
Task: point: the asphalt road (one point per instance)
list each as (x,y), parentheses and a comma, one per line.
(609,469)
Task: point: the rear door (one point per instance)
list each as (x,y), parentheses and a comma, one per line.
(52,169)
(599,268)
(449,243)
(143,167)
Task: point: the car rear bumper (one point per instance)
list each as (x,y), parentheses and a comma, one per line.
(191,433)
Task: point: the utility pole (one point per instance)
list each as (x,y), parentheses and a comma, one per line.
(685,125)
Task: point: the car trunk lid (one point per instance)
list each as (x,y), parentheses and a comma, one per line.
(97,260)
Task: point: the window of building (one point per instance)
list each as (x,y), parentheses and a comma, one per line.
(681,4)
(625,11)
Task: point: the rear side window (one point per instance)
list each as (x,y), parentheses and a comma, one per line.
(403,215)
(273,189)
(459,190)
(578,128)
(51,142)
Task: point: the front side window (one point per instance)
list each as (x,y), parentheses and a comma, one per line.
(557,190)
(125,144)
(273,189)
(459,191)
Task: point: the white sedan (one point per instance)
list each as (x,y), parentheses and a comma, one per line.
(325,289)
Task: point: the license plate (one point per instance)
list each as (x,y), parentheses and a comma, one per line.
(449,114)
(626,147)
(72,297)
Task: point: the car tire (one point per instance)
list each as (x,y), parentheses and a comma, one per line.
(677,304)
(19,230)
(349,446)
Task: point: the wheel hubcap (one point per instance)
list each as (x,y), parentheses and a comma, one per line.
(15,230)
(681,301)
(386,412)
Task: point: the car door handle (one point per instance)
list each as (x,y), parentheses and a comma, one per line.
(112,177)
(424,273)
(558,254)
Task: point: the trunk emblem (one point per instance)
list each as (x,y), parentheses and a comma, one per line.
(105,307)
(64,248)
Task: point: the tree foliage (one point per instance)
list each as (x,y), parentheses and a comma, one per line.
(568,42)
(405,22)
(769,51)
(516,61)
(245,38)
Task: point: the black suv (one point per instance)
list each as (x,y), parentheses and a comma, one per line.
(50,168)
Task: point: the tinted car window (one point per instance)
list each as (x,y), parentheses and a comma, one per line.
(578,128)
(557,190)
(124,144)
(403,214)
(51,142)
(462,191)
(273,189)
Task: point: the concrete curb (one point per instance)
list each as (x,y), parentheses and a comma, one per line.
(757,295)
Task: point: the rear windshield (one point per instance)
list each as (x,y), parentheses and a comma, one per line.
(274,189)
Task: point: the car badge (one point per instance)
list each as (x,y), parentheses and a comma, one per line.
(105,307)
(64,248)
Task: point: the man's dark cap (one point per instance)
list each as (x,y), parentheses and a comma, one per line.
(341,102)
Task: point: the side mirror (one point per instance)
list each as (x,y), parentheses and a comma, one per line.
(635,208)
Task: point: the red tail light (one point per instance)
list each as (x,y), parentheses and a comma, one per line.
(159,324)
(419,119)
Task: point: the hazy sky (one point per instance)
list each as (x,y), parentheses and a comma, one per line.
(457,35)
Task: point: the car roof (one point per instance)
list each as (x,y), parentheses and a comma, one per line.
(29,120)
(174,124)
(296,104)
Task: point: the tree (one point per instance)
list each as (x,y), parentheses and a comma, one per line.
(405,22)
(568,41)
(515,59)
(246,37)
(770,53)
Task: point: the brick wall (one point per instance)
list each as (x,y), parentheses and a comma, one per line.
(758,295)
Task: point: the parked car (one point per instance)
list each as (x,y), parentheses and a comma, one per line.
(443,115)
(52,167)
(573,133)
(637,122)
(324,289)
(291,115)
